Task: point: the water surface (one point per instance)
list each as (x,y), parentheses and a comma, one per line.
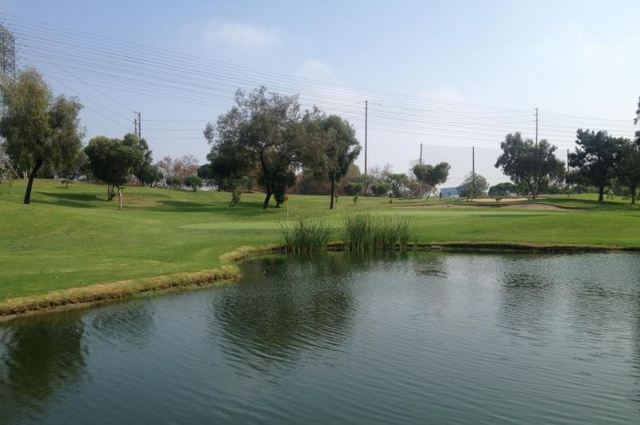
(424,338)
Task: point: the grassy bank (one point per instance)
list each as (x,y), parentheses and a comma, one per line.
(69,238)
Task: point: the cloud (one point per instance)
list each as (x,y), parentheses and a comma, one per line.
(240,34)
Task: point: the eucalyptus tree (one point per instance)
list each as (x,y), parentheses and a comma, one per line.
(39,129)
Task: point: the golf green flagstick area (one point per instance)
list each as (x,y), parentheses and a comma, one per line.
(73,238)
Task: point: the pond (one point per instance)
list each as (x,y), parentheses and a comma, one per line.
(421,338)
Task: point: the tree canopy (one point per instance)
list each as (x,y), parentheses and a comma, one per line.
(431,176)
(595,158)
(532,167)
(330,147)
(628,168)
(113,161)
(472,186)
(39,129)
(263,128)
(503,189)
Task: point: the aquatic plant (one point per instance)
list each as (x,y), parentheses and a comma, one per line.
(363,231)
(305,235)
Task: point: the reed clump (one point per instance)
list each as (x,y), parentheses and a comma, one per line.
(305,235)
(364,231)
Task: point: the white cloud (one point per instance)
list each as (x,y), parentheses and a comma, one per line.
(240,34)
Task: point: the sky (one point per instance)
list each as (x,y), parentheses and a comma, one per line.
(448,74)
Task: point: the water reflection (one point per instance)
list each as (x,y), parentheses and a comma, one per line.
(131,323)
(431,265)
(310,308)
(42,357)
(527,297)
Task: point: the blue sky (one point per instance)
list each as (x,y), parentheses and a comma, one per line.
(480,66)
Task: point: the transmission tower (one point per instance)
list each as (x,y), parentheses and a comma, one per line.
(7,60)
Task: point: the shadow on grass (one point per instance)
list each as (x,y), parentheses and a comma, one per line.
(247,209)
(587,204)
(77,200)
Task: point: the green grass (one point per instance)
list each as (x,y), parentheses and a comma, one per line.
(72,237)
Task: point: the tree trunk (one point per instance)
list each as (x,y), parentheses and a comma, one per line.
(633,190)
(267,198)
(601,194)
(32,176)
(120,200)
(333,191)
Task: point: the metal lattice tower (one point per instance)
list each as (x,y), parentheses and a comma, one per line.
(7,59)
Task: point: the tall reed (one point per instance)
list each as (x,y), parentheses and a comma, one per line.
(365,231)
(305,235)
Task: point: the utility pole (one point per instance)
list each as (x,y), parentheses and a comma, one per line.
(366,124)
(536,127)
(473,172)
(135,126)
(420,153)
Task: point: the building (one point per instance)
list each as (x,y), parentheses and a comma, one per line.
(449,192)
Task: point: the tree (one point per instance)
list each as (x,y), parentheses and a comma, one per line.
(39,129)
(595,157)
(332,147)
(472,186)
(532,167)
(398,183)
(229,166)
(148,174)
(264,127)
(180,168)
(502,189)
(112,161)
(194,182)
(628,168)
(431,176)
(205,172)
(280,187)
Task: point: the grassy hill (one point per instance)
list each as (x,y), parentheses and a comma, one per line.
(72,237)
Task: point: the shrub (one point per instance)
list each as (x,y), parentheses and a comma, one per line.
(379,189)
(194,182)
(352,189)
(173,182)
